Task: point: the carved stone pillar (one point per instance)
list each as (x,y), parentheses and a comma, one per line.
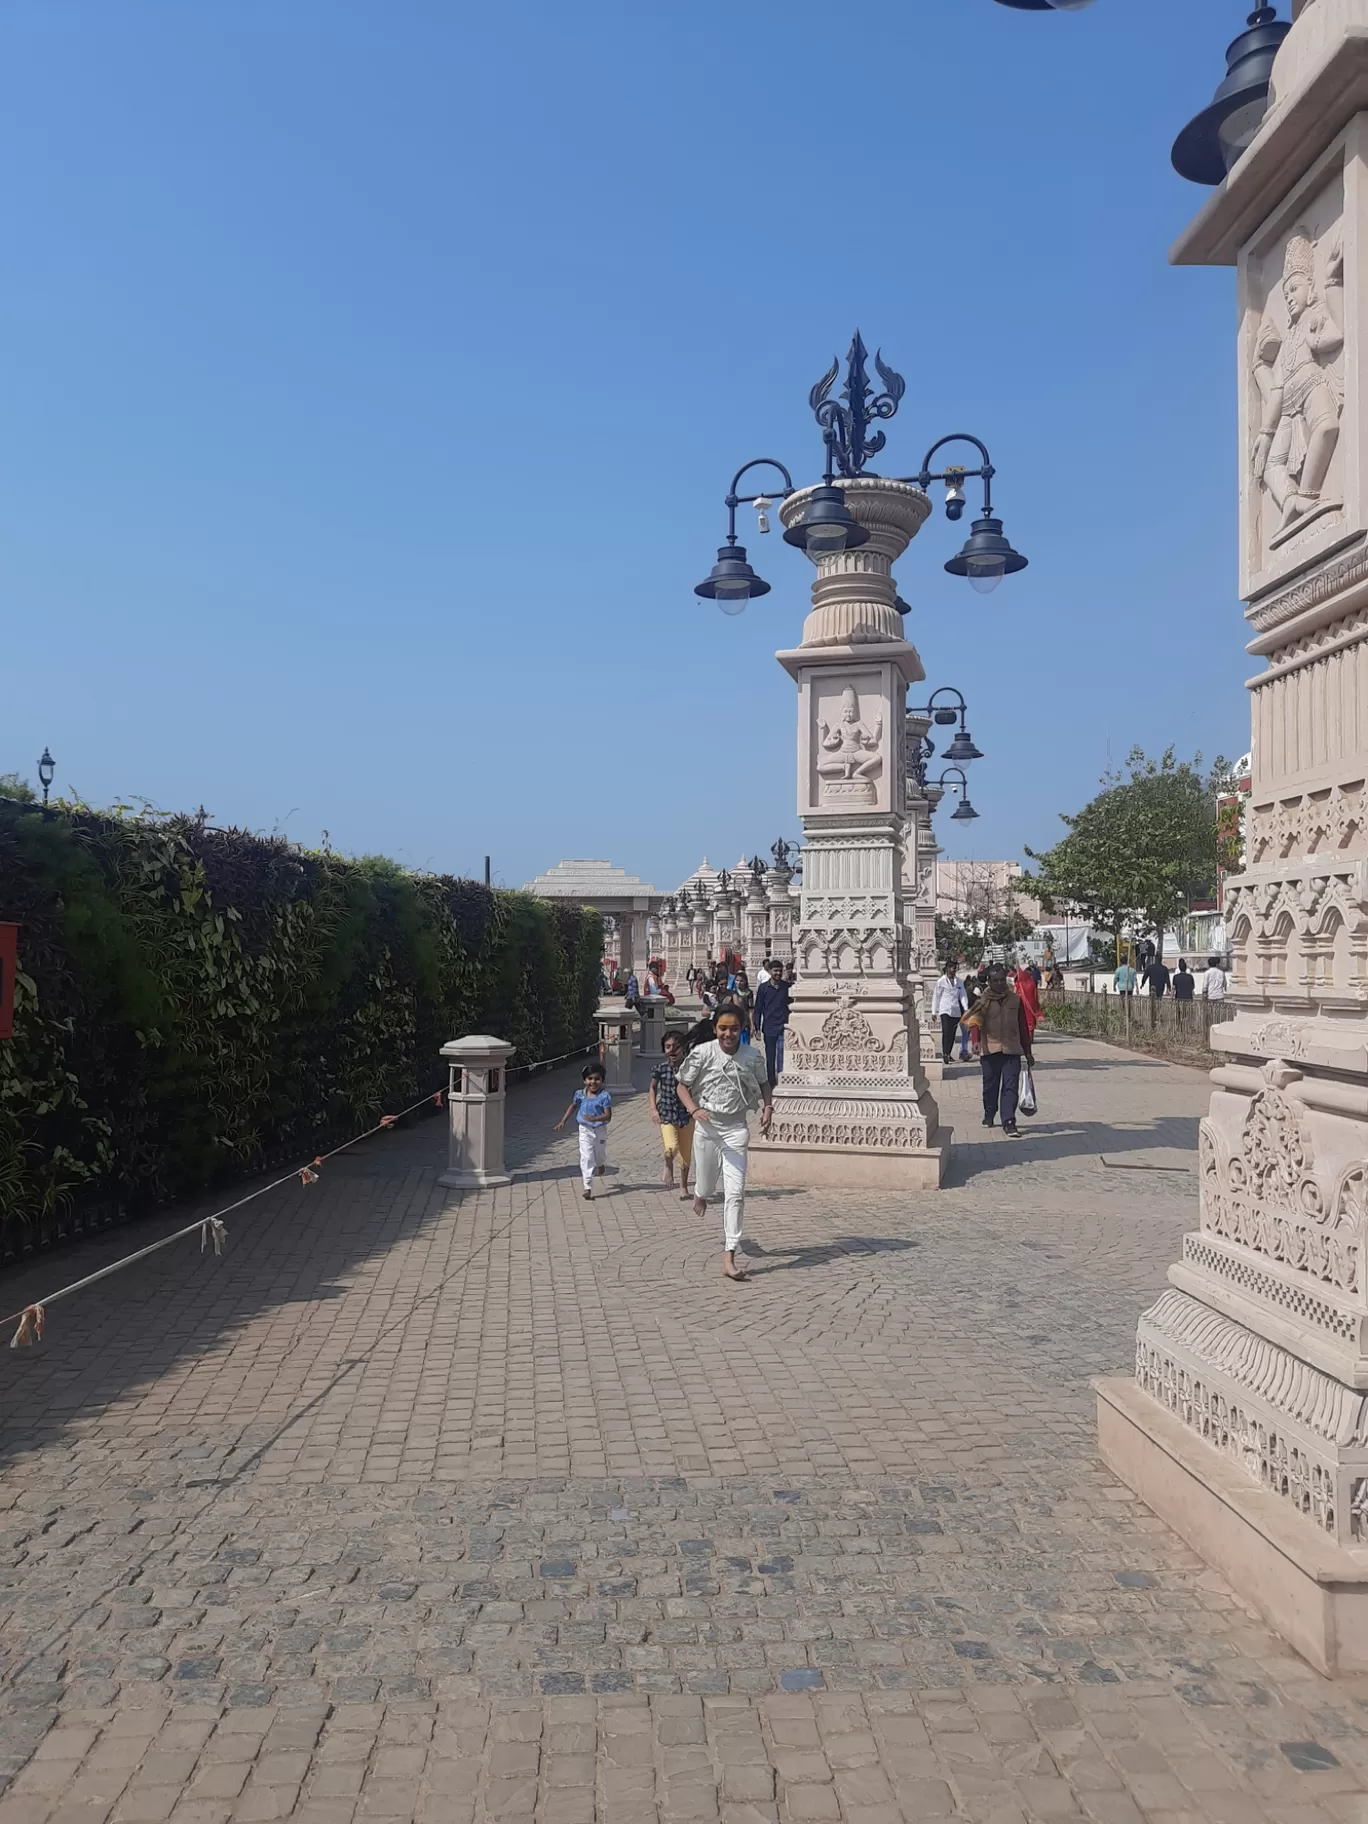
(1247,1425)
(780,896)
(757,924)
(701,925)
(919,884)
(853,1108)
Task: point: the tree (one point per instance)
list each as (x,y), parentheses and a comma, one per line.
(1140,851)
(12,786)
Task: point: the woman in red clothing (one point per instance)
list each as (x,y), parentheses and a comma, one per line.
(1029,996)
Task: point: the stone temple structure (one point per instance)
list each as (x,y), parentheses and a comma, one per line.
(746,910)
(854,1107)
(1246,1426)
(626,903)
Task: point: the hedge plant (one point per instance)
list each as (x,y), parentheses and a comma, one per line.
(193,1001)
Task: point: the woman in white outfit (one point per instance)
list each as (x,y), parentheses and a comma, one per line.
(719,1084)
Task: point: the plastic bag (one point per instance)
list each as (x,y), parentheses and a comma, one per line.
(1027,1100)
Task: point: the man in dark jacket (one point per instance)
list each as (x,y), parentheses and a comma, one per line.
(1004,1038)
(771,1017)
(1158,978)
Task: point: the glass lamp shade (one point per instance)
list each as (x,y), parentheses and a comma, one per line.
(731,582)
(1237,130)
(986,556)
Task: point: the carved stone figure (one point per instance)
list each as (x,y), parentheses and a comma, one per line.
(1299,382)
(851,752)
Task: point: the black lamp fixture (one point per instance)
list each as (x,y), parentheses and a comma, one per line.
(826,525)
(1047,6)
(1209,145)
(986,556)
(961,749)
(47,772)
(953,776)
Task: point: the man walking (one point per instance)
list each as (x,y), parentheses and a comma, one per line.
(948,1005)
(1214,981)
(719,1084)
(771,1017)
(1004,1039)
(1156,978)
(1124,979)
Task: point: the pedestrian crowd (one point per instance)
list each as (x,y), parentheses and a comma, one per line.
(713,1076)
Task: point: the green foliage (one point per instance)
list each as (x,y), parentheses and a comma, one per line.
(1135,855)
(12,786)
(192,1000)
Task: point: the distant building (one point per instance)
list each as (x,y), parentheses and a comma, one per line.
(625,902)
(969,890)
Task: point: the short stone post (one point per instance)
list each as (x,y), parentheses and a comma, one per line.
(617,1041)
(655,1015)
(479,1080)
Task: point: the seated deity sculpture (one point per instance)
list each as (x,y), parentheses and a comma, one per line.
(850,748)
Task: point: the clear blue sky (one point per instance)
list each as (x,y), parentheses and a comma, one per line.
(374,373)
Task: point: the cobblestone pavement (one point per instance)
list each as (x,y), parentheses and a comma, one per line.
(507,1506)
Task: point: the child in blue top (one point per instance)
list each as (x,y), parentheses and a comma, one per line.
(592,1108)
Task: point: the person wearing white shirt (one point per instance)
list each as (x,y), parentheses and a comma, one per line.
(948,1003)
(1214,981)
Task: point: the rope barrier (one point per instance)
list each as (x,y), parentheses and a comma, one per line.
(32,1319)
(210,1229)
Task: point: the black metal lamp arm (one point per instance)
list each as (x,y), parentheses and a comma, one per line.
(946,690)
(985,473)
(734,500)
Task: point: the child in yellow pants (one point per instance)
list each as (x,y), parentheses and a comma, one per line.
(669,1113)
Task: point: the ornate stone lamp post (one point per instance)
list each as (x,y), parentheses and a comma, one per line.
(853,1107)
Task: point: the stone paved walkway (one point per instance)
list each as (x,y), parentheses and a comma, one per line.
(507,1506)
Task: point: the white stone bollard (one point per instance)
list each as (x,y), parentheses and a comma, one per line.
(479,1081)
(617,1041)
(655,1017)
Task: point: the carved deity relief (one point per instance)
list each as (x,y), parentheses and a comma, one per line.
(850,759)
(1296,366)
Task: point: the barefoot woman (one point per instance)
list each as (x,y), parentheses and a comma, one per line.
(719,1083)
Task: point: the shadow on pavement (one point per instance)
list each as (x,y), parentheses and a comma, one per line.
(293,1247)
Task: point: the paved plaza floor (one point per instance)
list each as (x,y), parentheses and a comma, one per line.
(498,1506)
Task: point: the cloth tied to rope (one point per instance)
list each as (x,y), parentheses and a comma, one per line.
(30,1329)
(213,1229)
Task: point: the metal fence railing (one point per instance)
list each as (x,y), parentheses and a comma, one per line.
(1144,1024)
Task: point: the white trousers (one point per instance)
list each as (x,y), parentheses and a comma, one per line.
(722,1150)
(593,1151)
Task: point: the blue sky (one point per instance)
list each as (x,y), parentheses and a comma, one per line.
(374,374)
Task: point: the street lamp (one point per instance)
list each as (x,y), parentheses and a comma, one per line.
(826,525)
(47,772)
(1213,140)
(953,776)
(961,749)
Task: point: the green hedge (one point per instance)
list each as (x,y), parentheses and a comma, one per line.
(193,1001)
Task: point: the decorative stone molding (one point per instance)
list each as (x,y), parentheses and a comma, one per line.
(1327,582)
(1295,1431)
(1266,1196)
(1331,818)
